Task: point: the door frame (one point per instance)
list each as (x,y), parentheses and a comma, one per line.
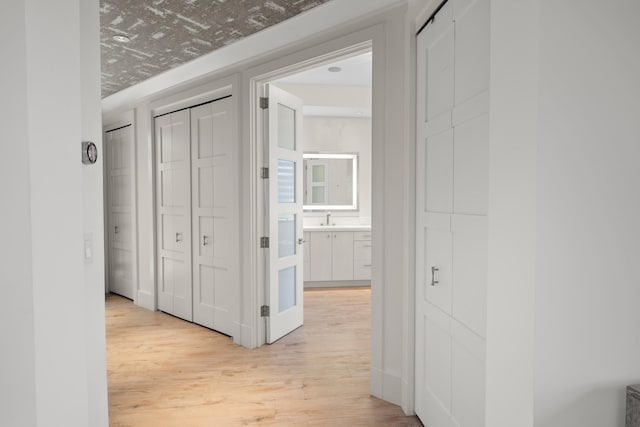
(364,41)
(207,92)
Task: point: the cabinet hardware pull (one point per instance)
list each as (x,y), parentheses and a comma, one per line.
(300,241)
(116,229)
(433,276)
(178,237)
(204,240)
(367,265)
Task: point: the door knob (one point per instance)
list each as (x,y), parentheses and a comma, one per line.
(434,270)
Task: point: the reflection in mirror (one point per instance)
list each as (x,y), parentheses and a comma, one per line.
(330,181)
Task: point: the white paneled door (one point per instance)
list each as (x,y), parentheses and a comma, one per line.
(451,218)
(119,156)
(173,216)
(214,215)
(285,277)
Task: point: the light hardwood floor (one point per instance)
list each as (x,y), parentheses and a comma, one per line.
(163,371)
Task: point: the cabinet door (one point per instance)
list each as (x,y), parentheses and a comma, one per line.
(362,260)
(342,255)
(320,253)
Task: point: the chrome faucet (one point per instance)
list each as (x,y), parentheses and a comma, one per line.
(328,218)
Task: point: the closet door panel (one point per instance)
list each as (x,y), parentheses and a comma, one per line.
(120,211)
(471,49)
(470,254)
(225,216)
(173,147)
(439,172)
(471,171)
(214,215)
(468,383)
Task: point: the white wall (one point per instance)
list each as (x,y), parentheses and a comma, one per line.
(563,287)
(46,354)
(17,375)
(587,341)
(330,96)
(93,215)
(512,207)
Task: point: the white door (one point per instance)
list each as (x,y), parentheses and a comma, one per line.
(451,218)
(119,157)
(283,119)
(214,215)
(173,220)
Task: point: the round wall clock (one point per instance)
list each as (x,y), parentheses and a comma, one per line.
(89,153)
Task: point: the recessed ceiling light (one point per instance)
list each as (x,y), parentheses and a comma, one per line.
(335,69)
(121,39)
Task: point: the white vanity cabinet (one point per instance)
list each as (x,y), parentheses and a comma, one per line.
(337,255)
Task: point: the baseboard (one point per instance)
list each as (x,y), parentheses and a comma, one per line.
(146,300)
(245,338)
(386,386)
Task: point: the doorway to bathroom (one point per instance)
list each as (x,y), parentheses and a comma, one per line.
(317,151)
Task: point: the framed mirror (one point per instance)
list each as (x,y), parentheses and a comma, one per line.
(330,181)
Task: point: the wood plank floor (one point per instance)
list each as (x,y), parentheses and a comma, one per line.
(163,371)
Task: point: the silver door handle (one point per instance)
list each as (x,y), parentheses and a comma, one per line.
(116,229)
(178,237)
(301,241)
(204,240)
(434,270)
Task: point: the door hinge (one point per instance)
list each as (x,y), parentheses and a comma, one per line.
(264,102)
(264,311)
(264,173)
(264,242)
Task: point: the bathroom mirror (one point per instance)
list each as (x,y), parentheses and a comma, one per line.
(330,181)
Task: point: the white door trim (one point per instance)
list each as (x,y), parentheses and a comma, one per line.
(372,38)
(228,86)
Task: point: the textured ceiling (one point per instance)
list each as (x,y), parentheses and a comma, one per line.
(166,33)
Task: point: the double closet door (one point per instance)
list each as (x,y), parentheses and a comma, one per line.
(197,214)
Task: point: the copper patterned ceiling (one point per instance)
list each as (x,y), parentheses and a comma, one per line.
(166,33)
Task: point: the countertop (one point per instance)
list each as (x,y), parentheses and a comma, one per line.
(338,228)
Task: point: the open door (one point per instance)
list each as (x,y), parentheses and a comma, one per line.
(283,119)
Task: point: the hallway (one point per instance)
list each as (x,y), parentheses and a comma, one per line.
(163,371)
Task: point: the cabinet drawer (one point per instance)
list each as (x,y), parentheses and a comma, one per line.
(362,260)
(362,272)
(361,235)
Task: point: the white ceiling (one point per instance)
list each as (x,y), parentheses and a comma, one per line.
(356,71)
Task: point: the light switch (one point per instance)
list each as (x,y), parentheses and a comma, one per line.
(88,247)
